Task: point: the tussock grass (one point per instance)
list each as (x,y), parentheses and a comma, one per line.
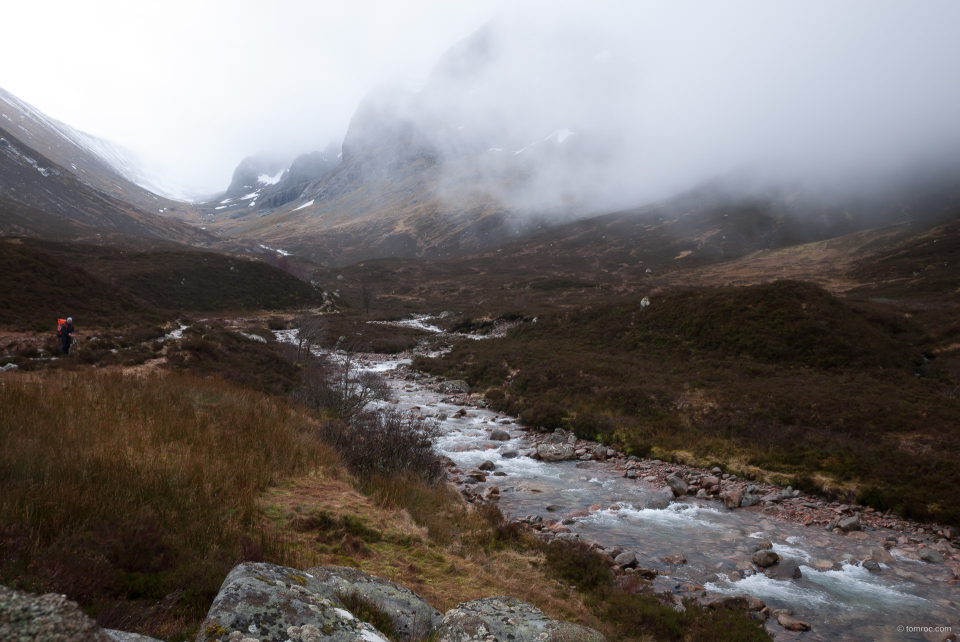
(117,489)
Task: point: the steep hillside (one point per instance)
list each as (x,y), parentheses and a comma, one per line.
(39,197)
(100,163)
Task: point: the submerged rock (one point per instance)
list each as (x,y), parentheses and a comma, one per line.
(506,618)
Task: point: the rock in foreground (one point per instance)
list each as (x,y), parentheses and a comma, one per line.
(50,617)
(508,619)
(268,602)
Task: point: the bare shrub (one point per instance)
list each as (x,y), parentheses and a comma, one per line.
(336,385)
(386,442)
(310,330)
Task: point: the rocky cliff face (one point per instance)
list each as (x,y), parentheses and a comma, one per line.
(253,174)
(305,169)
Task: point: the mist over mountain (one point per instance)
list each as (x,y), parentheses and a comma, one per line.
(546,117)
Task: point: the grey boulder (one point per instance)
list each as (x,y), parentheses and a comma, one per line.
(24,616)
(785,569)
(677,485)
(930,555)
(764,558)
(499,435)
(850,524)
(264,601)
(749,499)
(503,619)
(657,502)
(555,452)
(625,560)
(412,617)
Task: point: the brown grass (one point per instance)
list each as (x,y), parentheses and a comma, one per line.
(121,489)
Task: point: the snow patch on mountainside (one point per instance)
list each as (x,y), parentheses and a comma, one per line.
(271,180)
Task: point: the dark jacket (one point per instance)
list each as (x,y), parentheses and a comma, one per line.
(65,334)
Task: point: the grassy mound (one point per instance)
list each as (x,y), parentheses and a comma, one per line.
(106,286)
(37,288)
(785,322)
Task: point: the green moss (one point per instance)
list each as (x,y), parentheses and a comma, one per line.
(215,630)
(299,579)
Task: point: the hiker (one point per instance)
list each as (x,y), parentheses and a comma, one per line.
(66,336)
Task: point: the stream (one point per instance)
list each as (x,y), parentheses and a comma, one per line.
(840,599)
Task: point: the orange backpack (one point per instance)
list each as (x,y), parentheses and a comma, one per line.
(61,323)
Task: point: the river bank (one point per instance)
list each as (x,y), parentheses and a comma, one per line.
(626,505)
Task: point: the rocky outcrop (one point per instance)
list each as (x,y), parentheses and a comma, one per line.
(305,169)
(412,617)
(271,603)
(266,602)
(50,617)
(246,177)
(506,618)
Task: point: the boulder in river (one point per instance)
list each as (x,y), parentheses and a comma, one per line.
(657,501)
(676,559)
(555,452)
(881,555)
(499,435)
(626,560)
(486,465)
(764,558)
(732,498)
(509,454)
(506,618)
(785,569)
(930,555)
(871,565)
(850,524)
(791,623)
(677,485)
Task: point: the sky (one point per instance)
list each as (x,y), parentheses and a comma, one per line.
(194,86)
(701,87)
